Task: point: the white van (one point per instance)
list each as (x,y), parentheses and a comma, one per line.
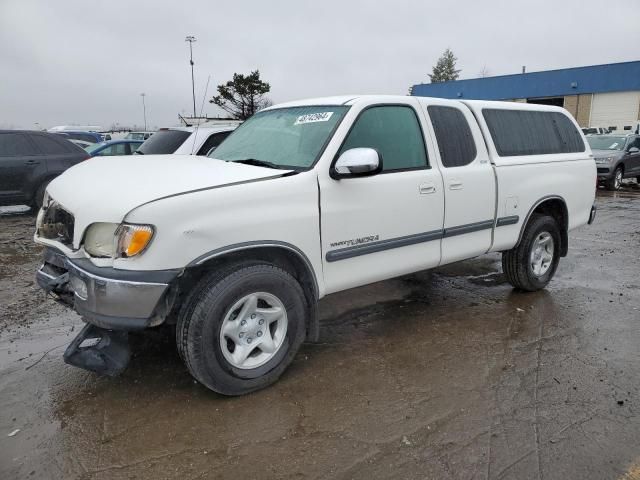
(198,140)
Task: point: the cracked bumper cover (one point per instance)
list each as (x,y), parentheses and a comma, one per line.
(106,297)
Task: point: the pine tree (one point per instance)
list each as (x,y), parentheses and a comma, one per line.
(445,69)
(243,96)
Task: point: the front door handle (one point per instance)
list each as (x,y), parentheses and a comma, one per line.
(455,185)
(32,162)
(427,188)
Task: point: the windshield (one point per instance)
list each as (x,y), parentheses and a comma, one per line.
(286,137)
(163,142)
(606,143)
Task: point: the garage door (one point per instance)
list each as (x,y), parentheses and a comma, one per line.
(619,109)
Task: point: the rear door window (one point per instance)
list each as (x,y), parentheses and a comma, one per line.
(14,144)
(453,134)
(49,145)
(524,132)
(164,142)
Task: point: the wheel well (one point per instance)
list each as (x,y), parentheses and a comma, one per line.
(39,183)
(556,208)
(286,259)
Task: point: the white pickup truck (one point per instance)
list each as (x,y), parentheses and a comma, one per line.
(303,200)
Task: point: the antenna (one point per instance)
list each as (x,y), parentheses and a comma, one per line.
(204,97)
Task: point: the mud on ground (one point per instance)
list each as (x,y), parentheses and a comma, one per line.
(448,374)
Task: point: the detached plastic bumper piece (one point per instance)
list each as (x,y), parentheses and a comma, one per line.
(98,350)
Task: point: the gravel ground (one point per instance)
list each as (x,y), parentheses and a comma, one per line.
(445,375)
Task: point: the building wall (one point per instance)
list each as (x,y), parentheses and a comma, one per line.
(614,77)
(580,107)
(615,109)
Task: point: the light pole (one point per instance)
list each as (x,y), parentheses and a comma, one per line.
(191,39)
(144,110)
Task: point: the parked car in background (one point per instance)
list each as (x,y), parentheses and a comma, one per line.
(186,140)
(138,135)
(595,131)
(91,137)
(80,143)
(304,200)
(617,157)
(29,160)
(114,148)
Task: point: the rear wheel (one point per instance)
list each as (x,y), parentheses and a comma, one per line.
(615,181)
(241,327)
(533,262)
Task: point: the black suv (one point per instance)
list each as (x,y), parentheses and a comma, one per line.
(29,161)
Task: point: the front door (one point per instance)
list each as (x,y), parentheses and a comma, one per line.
(388,224)
(468,180)
(633,158)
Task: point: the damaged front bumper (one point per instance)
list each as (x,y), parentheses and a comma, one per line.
(104,296)
(112,302)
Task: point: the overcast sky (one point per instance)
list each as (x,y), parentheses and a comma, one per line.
(86,62)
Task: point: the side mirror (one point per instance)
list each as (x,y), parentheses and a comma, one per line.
(357,162)
(634,150)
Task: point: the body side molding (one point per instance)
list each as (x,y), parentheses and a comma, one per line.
(510,220)
(388,244)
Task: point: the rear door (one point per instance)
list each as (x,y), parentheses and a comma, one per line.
(20,162)
(468,180)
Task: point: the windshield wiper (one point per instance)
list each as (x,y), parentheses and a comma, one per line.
(257,163)
(138,152)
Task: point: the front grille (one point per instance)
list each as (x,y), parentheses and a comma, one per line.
(57,224)
(603,170)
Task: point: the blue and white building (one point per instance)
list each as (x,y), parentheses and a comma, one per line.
(597,95)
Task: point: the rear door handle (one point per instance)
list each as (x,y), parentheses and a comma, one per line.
(32,162)
(455,185)
(427,188)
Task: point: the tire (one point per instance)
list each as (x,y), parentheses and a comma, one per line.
(518,263)
(615,181)
(209,332)
(38,196)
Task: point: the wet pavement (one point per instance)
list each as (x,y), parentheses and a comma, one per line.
(448,374)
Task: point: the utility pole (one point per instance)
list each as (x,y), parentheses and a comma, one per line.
(144,111)
(191,39)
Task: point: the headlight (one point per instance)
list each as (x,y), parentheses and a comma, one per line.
(604,160)
(100,239)
(133,239)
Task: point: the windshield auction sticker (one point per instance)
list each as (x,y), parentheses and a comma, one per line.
(313,117)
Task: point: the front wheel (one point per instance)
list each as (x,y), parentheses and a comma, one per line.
(532,263)
(241,327)
(614,182)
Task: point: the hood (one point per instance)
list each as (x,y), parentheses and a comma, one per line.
(607,153)
(105,189)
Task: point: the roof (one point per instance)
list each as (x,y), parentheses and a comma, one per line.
(336,100)
(205,128)
(612,77)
